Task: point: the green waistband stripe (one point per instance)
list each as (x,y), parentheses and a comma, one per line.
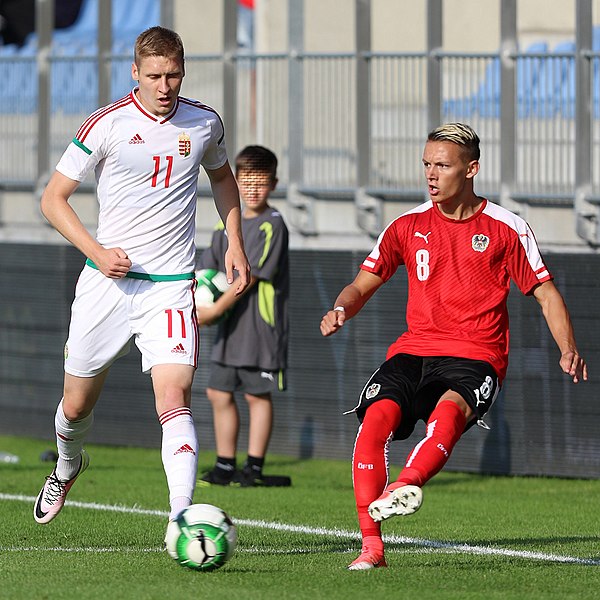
(80,145)
(150,276)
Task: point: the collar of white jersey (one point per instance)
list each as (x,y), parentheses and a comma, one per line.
(161,119)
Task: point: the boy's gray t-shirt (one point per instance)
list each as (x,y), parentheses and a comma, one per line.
(256,332)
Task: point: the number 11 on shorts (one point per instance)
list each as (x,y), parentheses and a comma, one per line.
(169,312)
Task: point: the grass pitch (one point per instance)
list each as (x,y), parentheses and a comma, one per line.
(475,536)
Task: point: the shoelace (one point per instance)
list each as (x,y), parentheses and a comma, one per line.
(54,490)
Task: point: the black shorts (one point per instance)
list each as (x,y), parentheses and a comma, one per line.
(249,380)
(416,383)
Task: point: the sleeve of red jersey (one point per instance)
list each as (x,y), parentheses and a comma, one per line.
(525,263)
(386,255)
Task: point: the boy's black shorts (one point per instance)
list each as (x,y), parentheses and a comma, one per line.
(416,383)
(249,380)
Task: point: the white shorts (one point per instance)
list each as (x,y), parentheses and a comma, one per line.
(107,313)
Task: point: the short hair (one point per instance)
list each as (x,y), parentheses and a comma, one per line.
(257,158)
(158,41)
(460,134)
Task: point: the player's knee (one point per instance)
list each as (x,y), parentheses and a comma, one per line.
(383,416)
(172,396)
(450,420)
(76,408)
(459,402)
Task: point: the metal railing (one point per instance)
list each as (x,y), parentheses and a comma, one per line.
(339,133)
(545,135)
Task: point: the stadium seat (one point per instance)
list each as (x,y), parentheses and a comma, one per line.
(550,93)
(486,100)
(528,73)
(19,95)
(74,80)
(459,108)
(487,97)
(8,50)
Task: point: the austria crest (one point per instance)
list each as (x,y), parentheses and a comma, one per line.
(185,145)
(480,242)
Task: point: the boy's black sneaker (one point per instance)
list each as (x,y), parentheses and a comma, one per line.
(216,477)
(248,477)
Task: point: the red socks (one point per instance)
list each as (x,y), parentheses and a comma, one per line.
(444,428)
(370,462)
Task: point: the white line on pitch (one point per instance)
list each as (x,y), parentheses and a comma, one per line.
(338,533)
(76,550)
(245,550)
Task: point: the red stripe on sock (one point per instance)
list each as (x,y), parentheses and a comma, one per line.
(173,413)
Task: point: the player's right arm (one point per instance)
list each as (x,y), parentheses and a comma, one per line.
(350,301)
(112,262)
(227,202)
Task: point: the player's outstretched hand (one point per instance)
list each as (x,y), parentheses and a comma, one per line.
(574,366)
(113,262)
(332,321)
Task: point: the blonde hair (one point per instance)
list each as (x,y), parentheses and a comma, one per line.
(460,134)
(158,41)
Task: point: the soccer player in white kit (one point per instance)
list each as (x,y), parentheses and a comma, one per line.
(138,281)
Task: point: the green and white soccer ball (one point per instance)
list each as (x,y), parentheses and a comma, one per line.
(202,537)
(211,286)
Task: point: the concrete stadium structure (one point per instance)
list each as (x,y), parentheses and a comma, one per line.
(346,106)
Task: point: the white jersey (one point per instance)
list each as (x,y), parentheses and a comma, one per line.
(146,171)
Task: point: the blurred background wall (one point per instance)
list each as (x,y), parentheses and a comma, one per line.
(344,91)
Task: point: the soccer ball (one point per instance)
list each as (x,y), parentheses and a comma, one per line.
(202,537)
(211,285)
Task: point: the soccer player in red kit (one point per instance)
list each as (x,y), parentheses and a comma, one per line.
(460,252)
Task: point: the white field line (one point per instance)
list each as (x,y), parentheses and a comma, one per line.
(396,540)
(246,550)
(89,550)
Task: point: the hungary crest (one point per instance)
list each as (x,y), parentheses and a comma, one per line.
(185,145)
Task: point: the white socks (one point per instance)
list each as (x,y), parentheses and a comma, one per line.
(179,451)
(179,456)
(69,441)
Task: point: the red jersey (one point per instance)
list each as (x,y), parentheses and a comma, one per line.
(459,275)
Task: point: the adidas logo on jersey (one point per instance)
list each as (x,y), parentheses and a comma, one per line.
(179,349)
(137,139)
(185,448)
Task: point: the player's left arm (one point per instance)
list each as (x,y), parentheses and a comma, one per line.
(227,202)
(559,322)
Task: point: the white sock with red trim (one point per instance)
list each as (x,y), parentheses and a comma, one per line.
(179,456)
(70,436)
